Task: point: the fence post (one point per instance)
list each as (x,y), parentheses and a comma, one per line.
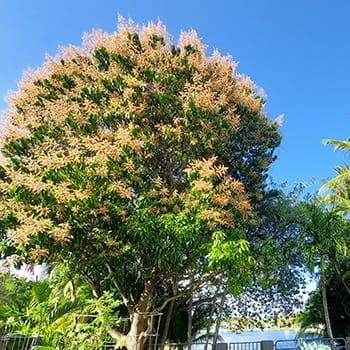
(347,343)
(221,346)
(266,345)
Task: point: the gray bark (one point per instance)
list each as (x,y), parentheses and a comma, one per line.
(219,316)
(323,285)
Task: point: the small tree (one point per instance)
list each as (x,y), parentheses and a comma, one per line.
(338,303)
(116,165)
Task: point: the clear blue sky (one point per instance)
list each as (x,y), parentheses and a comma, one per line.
(297,50)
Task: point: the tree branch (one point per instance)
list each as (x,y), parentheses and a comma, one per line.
(116,285)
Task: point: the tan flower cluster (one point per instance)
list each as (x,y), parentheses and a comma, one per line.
(206,168)
(38,253)
(219,88)
(218,217)
(202,185)
(121,188)
(125,139)
(65,193)
(102,171)
(247,94)
(214,87)
(29,226)
(191,38)
(122,213)
(103,149)
(232,192)
(240,198)
(221,199)
(210,215)
(101,211)
(60,233)
(41,210)
(30,181)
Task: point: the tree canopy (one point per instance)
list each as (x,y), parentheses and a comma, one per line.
(131,159)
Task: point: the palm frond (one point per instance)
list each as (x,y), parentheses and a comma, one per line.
(338,145)
(338,182)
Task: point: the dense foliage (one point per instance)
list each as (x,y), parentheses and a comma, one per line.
(138,163)
(60,308)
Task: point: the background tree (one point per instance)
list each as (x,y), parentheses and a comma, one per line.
(115,165)
(338,302)
(324,243)
(13,301)
(335,194)
(278,280)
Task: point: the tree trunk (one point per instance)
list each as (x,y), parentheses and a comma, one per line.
(141,320)
(323,286)
(137,335)
(219,316)
(169,315)
(167,325)
(210,317)
(189,323)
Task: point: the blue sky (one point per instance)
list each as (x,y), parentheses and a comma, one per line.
(297,50)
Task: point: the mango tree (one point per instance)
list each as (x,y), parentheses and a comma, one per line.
(117,164)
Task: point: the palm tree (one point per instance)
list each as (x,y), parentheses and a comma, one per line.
(336,192)
(46,307)
(323,243)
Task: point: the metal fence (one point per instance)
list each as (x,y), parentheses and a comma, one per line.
(254,345)
(27,342)
(18,341)
(292,344)
(210,346)
(289,344)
